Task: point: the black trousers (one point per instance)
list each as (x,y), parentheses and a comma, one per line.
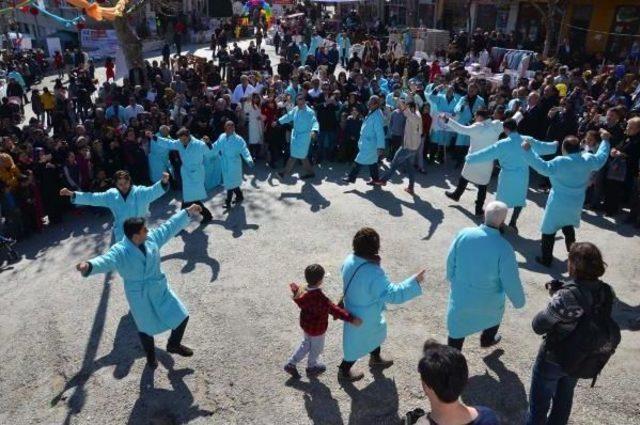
(346,366)
(175,339)
(549,240)
(230,192)
(482,192)
(460,153)
(515,215)
(206,214)
(486,337)
(355,169)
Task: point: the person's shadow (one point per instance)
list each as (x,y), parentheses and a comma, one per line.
(506,395)
(236,221)
(627,316)
(321,407)
(310,195)
(381,199)
(196,245)
(159,406)
(377,403)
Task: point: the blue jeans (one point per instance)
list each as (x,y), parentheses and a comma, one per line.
(403,158)
(550,387)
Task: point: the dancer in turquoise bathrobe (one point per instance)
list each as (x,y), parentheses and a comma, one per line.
(124,201)
(482,270)
(154,306)
(371,143)
(305,128)
(344,48)
(444,102)
(513,180)
(367,290)
(212,169)
(465,111)
(231,150)
(193,154)
(159,156)
(569,174)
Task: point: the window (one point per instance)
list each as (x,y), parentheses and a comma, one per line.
(626,21)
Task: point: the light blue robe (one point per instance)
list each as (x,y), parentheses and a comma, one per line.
(212,172)
(158,160)
(314,44)
(135,205)
(292,91)
(344,46)
(513,181)
(304,122)
(440,103)
(230,151)
(569,175)
(482,269)
(304,52)
(464,116)
(192,170)
(369,292)
(371,138)
(154,306)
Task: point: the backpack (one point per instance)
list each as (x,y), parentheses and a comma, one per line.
(585,351)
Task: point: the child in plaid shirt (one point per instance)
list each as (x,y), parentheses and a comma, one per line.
(315,308)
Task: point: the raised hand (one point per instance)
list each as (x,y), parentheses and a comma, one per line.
(420,277)
(194,209)
(165,177)
(66,192)
(83,267)
(356,321)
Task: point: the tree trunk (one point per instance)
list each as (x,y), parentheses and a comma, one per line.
(129,42)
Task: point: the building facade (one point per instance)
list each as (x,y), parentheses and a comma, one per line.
(589,25)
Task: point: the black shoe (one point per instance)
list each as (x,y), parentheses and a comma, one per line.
(316,370)
(238,200)
(543,262)
(292,370)
(487,344)
(180,350)
(280,175)
(452,195)
(348,180)
(308,176)
(227,205)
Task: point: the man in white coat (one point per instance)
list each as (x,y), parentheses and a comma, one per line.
(484,132)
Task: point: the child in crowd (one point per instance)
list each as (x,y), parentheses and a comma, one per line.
(315,308)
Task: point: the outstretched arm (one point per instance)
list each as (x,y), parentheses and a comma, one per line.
(546,168)
(167,143)
(148,194)
(466,130)
(102,264)
(98,199)
(288,117)
(597,160)
(489,153)
(170,228)
(396,293)
(542,148)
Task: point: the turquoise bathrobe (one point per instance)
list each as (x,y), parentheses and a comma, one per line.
(513,181)
(154,306)
(212,172)
(230,151)
(440,103)
(464,116)
(193,157)
(158,160)
(344,46)
(136,203)
(304,52)
(569,175)
(371,138)
(304,122)
(369,292)
(482,270)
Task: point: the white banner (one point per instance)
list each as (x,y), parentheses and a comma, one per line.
(99,43)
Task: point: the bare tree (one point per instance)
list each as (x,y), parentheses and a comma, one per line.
(551,15)
(129,40)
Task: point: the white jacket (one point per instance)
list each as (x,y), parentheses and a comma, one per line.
(482,134)
(412,130)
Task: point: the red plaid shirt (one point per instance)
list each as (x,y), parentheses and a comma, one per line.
(315,310)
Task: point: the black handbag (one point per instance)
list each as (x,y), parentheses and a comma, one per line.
(341,302)
(617,170)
